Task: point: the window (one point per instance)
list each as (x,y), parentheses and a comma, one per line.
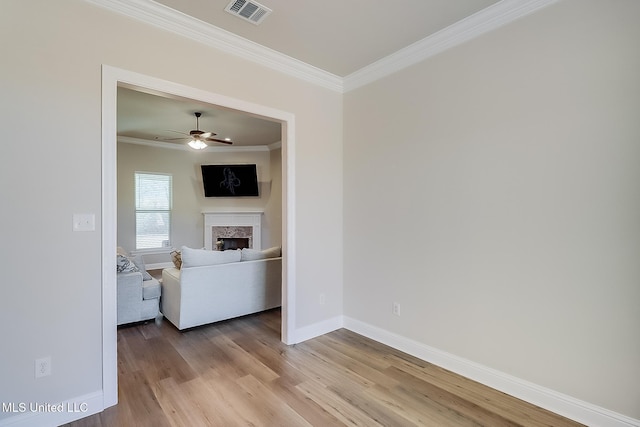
(153,210)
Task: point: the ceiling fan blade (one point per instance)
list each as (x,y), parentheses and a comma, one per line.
(219,140)
(172,139)
(175,131)
(196,134)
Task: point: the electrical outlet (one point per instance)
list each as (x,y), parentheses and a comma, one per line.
(322,299)
(396,308)
(43,367)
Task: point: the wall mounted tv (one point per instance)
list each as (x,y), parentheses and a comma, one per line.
(230,180)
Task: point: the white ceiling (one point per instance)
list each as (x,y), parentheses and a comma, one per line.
(144,118)
(340,44)
(337,36)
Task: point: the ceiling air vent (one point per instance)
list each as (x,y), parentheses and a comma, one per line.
(248,10)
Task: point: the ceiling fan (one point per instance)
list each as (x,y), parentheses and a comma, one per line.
(198,139)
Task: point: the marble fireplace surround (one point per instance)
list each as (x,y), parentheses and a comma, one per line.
(233,224)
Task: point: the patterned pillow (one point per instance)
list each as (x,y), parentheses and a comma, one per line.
(176,257)
(125,265)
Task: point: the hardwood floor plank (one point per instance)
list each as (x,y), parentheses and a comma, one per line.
(420,414)
(375,409)
(239,373)
(302,404)
(197,349)
(275,357)
(194,403)
(336,342)
(323,369)
(452,409)
(141,402)
(505,406)
(239,362)
(273,410)
(248,405)
(177,404)
(348,414)
(157,357)
(373,372)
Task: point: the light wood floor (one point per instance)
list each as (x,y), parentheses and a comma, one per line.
(238,373)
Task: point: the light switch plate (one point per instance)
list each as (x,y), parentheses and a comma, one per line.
(84,222)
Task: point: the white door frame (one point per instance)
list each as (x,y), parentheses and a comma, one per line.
(111,79)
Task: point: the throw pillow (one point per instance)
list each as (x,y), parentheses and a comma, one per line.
(139,262)
(255,254)
(124,265)
(176,257)
(202,257)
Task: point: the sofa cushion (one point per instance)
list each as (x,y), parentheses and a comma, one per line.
(150,289)
(255,254)
(139,262)
(125,265)
(202,257)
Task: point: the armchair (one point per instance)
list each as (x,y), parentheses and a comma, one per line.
(137,299)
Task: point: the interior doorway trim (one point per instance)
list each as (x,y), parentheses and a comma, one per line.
(112,78)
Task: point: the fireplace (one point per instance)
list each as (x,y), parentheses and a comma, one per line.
(224,243)
(231,237)
(236,230)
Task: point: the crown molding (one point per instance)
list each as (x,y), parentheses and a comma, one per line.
(275,146)
(488,19)
(168,19)
(184,147)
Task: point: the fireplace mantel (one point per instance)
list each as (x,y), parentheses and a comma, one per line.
(245,218)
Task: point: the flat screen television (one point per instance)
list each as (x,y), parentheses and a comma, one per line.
(230,180)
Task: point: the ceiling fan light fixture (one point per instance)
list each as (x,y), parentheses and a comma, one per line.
(197,144)
(198,139)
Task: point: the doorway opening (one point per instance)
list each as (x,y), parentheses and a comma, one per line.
(112,78)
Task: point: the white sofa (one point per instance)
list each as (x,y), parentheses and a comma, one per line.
(211,285)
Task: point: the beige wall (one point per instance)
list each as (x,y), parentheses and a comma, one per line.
(497,198)
(188,194)
(51,87)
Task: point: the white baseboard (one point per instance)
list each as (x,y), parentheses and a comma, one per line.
(567,406)
(307,332)
(39,414)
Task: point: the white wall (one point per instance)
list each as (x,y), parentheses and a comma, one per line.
(272,221)
(50,82)
(188,194)
(497,198)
